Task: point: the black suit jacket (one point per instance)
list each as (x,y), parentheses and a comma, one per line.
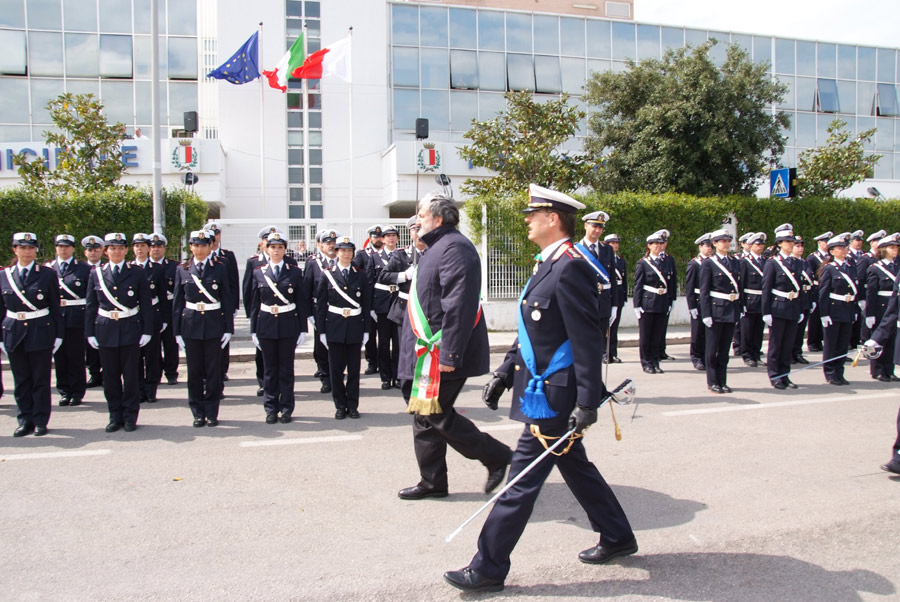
(41,288)
(831,281)
(208,324)
(645,275)
(76,280)
(609,294)
(776,279)
(692,283)
(337,328)
(132,290)
(713,279)
(753,280)
(399,262)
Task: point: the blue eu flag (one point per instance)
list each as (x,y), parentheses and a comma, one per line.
(243,67)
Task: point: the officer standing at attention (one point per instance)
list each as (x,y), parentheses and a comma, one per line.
(651,304)
(881,281)
(744,252)
(815,261)
(312,278)
(720,307)
(364,260)
(692,296)
(838,294)
(751,268)
(151,353)
(69,360)
(278,314)
(118,322)
(203,325)
(602,257)
(234,285)
(170,348)
(343,303)
(782,306)
(382,296)
(854,257)
(93,256)
(619,299)
(556,312)
(809,299)
(33,330)
(668,270)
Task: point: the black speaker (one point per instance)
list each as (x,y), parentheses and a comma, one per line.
(421,128)
(190,121)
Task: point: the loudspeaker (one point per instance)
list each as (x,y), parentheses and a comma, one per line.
(190,121)
(421,128)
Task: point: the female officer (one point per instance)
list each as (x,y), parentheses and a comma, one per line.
(651,304)
(838,296)
(880,279)
(203,323)
(809,299)
(782,306)
(278,314)
(33,330)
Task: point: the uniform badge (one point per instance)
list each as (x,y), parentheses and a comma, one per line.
(77,283)
(290,289)
(358,294)
(536,315)
(40,296)
(131,293)
(215,286)
(152,286)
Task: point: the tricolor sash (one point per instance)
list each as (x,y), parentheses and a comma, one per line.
(423,398)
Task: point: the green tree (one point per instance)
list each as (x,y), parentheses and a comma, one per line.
(682,124)
(89,155)
(523,145)
(839,164)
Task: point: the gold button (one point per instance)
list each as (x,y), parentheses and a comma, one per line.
(517,368)
(535,303)
(546,382)
(519,345)
(524,302)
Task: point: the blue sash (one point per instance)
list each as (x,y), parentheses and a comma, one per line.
(595,263)
(534,403)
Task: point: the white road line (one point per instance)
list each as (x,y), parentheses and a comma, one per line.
(62,454)
(503,427)
(301,440)
(778,404)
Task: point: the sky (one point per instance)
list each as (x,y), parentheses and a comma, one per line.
(867,22)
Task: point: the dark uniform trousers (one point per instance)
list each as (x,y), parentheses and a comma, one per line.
(344,357)
(170,353)
(782,334)
(31,375)
(698,341)
(814,334)
(614,334)
(388,347)
(121,380)
(151,366)
(652,335)
(92,361)
(718,339)
(278,374)
(70,364)
(752,330)
(835,341)
(205,381)
(799,333)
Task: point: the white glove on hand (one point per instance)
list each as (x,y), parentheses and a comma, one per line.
(164,327)
(768,320)
(695,314)
(402,277)
(3,349)
(813,308)
(92,341)
(800,319)
(862,306)
(826,321)
(365,338)
(708,321)
(374,315)
(323,340)
(301,339)
(57,343)
(870,322)
(638,311)
(145,338)
(225,338)
(671,307)
(870,343)
(410,271)
(312,320)
(255,341)
(180,340)
(613,315)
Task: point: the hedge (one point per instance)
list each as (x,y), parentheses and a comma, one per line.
(127,210)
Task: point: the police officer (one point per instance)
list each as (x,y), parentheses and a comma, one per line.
(394,276)
(621,295)
(815,261)
(809,299)
(151,353)
(383,294)
(33,330)
(312,277)
(603,259)
(203,325)
(365,260)
(880,283)
(744,252)
(751,267)
(118,322)
(692,296)
(93,256)
(651,303)
(838,297)
(782,306)
(855,257)
(343,303)
(720,307)
(158,244)
(69,360)
(278,314)
(668,269)
(234,285)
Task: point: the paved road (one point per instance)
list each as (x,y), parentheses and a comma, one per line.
(760,495)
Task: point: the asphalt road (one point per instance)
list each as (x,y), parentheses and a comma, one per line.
(759,495)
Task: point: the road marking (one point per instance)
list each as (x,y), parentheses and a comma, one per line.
(63,454)
(503,427)
(301,440)
(778,404)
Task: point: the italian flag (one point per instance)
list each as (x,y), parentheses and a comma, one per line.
(333,60)
(291,60)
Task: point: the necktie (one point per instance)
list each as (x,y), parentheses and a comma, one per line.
(63,268)
(24,275)
(116,274)
(277,271)
(538,260)
(594,249)
(200,268)
(346,273)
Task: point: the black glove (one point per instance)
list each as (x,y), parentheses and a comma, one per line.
(582,418)
(493,390)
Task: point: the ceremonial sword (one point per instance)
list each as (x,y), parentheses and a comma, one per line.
(870,353)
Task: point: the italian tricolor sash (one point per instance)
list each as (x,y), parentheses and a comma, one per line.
(423,398)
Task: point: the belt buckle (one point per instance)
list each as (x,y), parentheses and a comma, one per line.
(21,315)
(660,291)
(201,307)
(733,297)
(274,310)
(393,289)
(346,312)
(114,315)
(792,295)
(63,302)
(848,298)
(599,287)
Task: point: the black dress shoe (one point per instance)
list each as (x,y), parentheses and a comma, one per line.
(340,414)
(649,369)
(226,378)
(143,398)
(892,466)
(285,418)
(779,384)
(94,382)
(802,360)
(616,360)
(112,427)
(396,384)
(152,399)
(172,381)
(658,369)
(212,422)
(701,366)
(271,418)
(666,356)
(844,381)
(601,555)
(372,370)
(129,427)
(326,388)
(727,389)
(814,348)
(259,392)
(834,381)
(752,363)
(468,580)
(318,374)
(894,378)
(385,385)
(716,389)
(40,431)
(25,429)
(789,383)
(353,414)
(883,378)
(494,478)
(74,402)
(199,422)
(63,401)
(418,492)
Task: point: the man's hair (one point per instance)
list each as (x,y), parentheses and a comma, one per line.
(442,206)
(566,222)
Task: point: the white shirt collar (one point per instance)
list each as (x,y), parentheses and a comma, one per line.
(720,256)
(30,266)
(653,257)
(838,262)
(278,265)
(547,252)
(113,265)
(754,255)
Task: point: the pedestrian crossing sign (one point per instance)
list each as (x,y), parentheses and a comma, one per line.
(778,183)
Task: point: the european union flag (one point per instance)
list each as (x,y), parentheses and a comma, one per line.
(243,67)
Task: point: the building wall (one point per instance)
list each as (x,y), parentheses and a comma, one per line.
(620,9)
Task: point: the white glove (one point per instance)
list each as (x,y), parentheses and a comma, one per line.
(402,277)
(57,343)
(695,313)
(92,341)
(226,336)
(671,307)
(410,271)
(145,338)
(826,321)
(180,340)
(164,327)
(862,306)
(870,322)
(768,320)
(638,311)
(323,340)
(235,313)
(365,338)
(374,315)
(613,315)
(301,339)
(312,320)
(708,321)
(3,349)
(870,343)
(813,308)
(255,341)
(800,319)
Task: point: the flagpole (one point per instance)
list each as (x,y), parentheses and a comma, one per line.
(350,121)
(305,90)
(262,121)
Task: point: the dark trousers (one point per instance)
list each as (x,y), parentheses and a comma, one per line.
(508,517)
(835,342)
(92,360)
(604,334)
(260,368)
(718,340)
(341,357)
(799,333)
(736,339)
(814,333)
(69,363)
(204,376)
(896,448)
(278,374)
(856,330)
(121,381)
(432,434)
(698,342)
(662,335)
(371,345)
(320,354)
(31,378)
(884,364)
(752,328)
(151,367)
(406,390)
(388,348)
(226,358)
(614,334)
(652,334)
(170,353)
(782,334)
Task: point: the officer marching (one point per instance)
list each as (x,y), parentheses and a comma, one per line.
(93,256)
(720,307)
(151,353)
(782,306)
(692,296)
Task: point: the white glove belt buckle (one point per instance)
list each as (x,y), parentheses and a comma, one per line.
(344,311)
(118,314)
(28,315)
(844,298)
(277,309)
(71,302)
(885,293)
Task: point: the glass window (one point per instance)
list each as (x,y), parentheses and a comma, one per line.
(744,42)
(312,9)
(45,54)
(293,28)
(462,28)
(406,109)
(296,211)
(315,138)
(598,39)
(788,132)
(294,138)
(143,112)
(83,86)
(865,98)
(623,40)
(847,94)
(295,120)
(546,34)
(464,69)
(547,77)
(825,55)
(647,42)
(883,168)
(18,133)
(118,101)
(806,130)
(405,24)
(463,109)
(315,156)
(42,92)
(142,16)
(295,175)
(433,25)
(572,36)
(518,32)
(520,72)
(115,56)
(572,75)
(81,55)
(672,37)
(313,46)
(315,211)
(315,120)
(719,52)
(490,104)
(80,15)
(115,16)
(406,67)
(14,100)
(822,123)
(293,8)
(490,30)
(142,57)
(694,37)
(762,49)
(12,59)
(315,175)
(12,13)
(315,194)
(865,58)
(182,98)
(182,58)
(827,98)
(887,100)
(847,61)
(806,94)
(806,58)
(884,139)
(491,71)
(436,109)
(863,124)
(791,82)
(887,64)
(784,56)
(182,17)
(598,66)
(295,195)
(44,14)
(435,68)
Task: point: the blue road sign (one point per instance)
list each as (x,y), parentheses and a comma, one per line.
(779,180)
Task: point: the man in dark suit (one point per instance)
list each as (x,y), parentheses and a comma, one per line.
(158,243)
(782,306)
(557,309)
(720,306)
(692,296)
(234,286)
(621,295)
(603,258)
(118,322)
(151,353)
(751,323)
(312,276)
(93,257)
(815,261)
(447,287)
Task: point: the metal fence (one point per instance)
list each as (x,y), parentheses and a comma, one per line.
(504,280)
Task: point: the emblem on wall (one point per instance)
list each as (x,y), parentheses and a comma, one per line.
(429,159)
(185,156)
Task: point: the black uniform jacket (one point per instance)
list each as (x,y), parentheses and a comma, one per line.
(713,279)
(202,323)
(76,280)
(831,282)
(315,266)
(399,262)
(621,279)
(878,286)
(815,260)
(644,274)
(692,283)
(156,278)
(608,290)
(131,291)
(382,295)
(282,325)
(887,328)
(752,271)
(42,290)
(809,285)
(339,328)
(234,284)
(253,262)
(776,279)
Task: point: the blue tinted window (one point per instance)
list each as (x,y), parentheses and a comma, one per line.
(847,62)
(866,63)
(546,34)
(744,42)
(12,58)
(719,52)
(518,32)
(182,98)
(865,98)
(694,37)
(647,42)
(547,77)
(806,129)
(406,67)
(490,104)
(81,55)
(790,82)
(520,72)
(436,109)
(762,49)
(847,94)
(433,23)
(43,91)
(672,37)
(435,68)
(806,58)
(14,100)
(784,56)
(826,54)
(884,139)
(44,14)
(115,16)
(115,56)
(491,71)
(572,75)
(12,13)
(572,36)
(45,54)
(182,58)
(80,15)
(118,102)
(887,100)
(623,40)
(828,99)
(406,109)
(464,69)
(806,94)
(598,39)
(463,109)
(405,24)
(462,28)
(183,17)
(887,64)
(490,30)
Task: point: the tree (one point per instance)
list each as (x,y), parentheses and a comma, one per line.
(836,166)
(88,156)
(682,124)
(523,145)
